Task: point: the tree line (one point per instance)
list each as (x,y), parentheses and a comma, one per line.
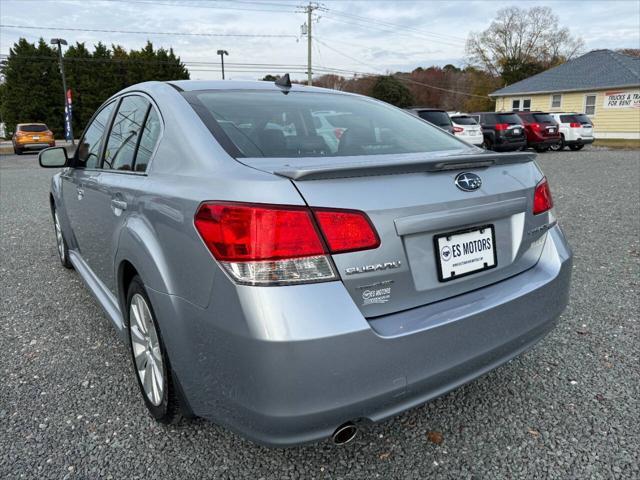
(32,87)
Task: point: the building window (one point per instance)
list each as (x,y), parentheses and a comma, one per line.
(556,100)
(526,105)
(515,105)
(590,104)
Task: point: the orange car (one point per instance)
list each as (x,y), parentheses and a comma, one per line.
(32,136)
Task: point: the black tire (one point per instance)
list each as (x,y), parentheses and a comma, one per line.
(487,145)
(61,243)
(576,147)
(17,151)
(168,409)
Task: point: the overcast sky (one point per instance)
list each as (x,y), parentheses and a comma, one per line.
(365,36)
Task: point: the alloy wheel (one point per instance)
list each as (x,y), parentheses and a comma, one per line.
(146,350)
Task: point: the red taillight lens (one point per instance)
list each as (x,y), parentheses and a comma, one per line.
(535,126)
(346,230)
(273,245)
(502,126)
(458,129)
(236,232)
(575,125)
(542,200)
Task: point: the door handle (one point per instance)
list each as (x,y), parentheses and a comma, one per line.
(119,204)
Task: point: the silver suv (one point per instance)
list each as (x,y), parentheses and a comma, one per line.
(292,288)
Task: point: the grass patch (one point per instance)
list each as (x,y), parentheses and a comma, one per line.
(617,143)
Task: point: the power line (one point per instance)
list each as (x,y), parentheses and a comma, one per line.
(400,77)
(190,34)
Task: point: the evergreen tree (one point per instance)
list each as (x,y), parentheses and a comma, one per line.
(32,91)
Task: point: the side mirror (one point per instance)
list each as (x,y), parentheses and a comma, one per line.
(54,157)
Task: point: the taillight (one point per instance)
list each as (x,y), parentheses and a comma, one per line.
(542,200)
(274,245)
(346,230)
(337,132)
(575,125)
(458,129)
(502,126)
(535,126)
(21,134)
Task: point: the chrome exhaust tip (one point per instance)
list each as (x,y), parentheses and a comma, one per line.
(344,433)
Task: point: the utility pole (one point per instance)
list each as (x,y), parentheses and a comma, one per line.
(222,53)
(306,30)
(68,121)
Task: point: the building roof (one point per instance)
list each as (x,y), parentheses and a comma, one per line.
(596,70)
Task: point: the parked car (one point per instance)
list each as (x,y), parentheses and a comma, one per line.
(576,130)
(435,116)
(541,129)
(31,136)
(467,128)
(502,131)
(291,294)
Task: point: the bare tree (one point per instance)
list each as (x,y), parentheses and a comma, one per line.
(521,42)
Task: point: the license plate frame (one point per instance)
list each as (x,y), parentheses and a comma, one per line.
(465,231)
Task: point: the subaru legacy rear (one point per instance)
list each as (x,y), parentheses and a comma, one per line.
(295,282)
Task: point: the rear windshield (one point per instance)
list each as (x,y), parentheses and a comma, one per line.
(308,124)
(582,118)
(509,118)
(437,118)
(35,127)
(568,118)
(543,118)
(463,120)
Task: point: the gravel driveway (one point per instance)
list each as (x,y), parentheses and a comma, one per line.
(70,408)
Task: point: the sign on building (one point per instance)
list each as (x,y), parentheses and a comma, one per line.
(622,99)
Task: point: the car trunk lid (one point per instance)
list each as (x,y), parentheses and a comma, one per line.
(410,202)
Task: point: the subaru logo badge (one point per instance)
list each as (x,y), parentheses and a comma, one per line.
(468,182)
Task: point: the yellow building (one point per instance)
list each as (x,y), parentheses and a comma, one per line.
(602,83)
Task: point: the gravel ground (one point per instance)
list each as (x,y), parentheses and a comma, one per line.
(70,408)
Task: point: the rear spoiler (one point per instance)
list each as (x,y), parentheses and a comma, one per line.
(315,170)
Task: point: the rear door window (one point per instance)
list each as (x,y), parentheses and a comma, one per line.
(583,119)
(568,118)
(123,137)
(89,147)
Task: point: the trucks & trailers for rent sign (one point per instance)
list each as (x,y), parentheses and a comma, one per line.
(622,99)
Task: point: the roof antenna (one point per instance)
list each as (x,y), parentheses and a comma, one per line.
(284,81)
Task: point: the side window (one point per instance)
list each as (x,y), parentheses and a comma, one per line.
(89,146)
(123,137)
(150,135)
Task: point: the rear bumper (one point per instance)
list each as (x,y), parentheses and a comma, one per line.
(580,141)
(544,142)
(33,146)
(290,372)
(508,145)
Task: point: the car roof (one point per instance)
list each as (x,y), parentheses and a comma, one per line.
(195,85)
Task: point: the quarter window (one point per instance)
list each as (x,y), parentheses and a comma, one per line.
(89,146)
(590,104)
(556,101)
(125,131)
(148,140)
